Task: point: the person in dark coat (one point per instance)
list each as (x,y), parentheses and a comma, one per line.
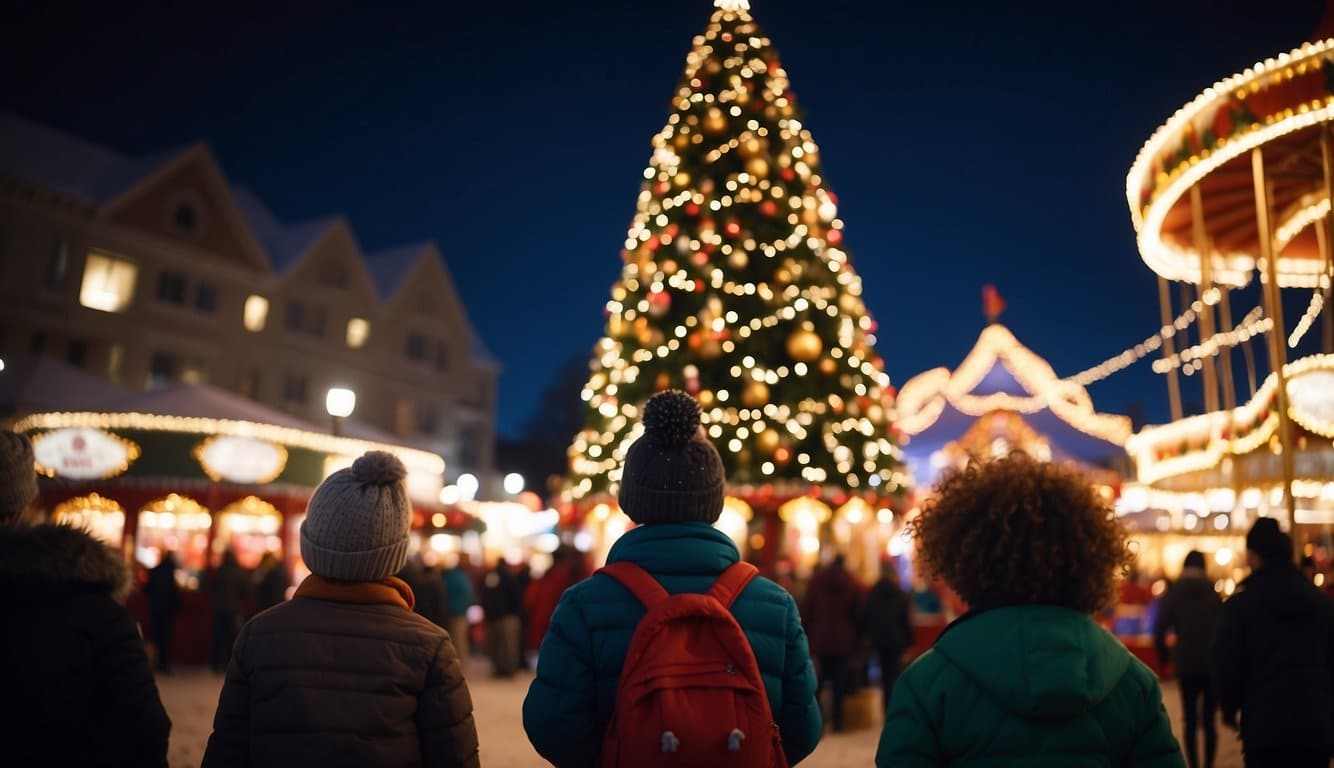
(270,582)
(164,602)
(78,689)
(673,487)
(460,597)
(1192,610)
(1275,657)
(231,587)
(830,611)
(345,673)
(502,603)
(432,597)
(887,618)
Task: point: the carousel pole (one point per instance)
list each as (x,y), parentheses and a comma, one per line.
(1278,337)
(1169,347)
(1228,385)
(1206,282)
(1325,236)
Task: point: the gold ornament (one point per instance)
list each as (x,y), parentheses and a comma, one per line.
(828,366)
(804,345)
(767,440)
(752,146)
(705,398)
(681,179)
(755,395)
(710,349)
(663,382)
(682,140)
(715,121)
(757,167)
(738,259)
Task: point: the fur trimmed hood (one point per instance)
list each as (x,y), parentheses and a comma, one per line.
(52,555)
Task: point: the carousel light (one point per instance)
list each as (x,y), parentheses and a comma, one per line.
(1223,556)
(468,486)
(513,483)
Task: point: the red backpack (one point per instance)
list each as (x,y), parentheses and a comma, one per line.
(690,692)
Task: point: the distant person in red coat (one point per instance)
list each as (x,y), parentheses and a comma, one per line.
(541,595)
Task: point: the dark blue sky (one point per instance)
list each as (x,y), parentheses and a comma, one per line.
(968,142)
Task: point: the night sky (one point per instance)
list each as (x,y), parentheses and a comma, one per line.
(968,143)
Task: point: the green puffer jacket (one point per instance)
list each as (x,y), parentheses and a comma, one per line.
(570,702)
(1031,685)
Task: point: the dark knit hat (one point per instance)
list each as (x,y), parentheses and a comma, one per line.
(1266,540)
(672,472)
(18,475)
(1194,559)
(357,521)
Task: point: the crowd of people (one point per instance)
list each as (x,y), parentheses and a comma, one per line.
(677,648)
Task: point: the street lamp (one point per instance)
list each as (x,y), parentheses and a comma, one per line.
(339,403)
(513,483)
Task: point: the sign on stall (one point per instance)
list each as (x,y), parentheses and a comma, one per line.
(80,453)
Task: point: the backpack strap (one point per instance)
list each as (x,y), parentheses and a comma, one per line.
(729,585)
(641,584)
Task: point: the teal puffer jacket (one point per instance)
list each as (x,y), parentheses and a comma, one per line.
(1031,685)
(570,702)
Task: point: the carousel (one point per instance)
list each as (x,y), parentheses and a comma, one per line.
(1237,185)
(199,472)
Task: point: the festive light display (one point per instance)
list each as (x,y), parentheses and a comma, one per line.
(1190,359)
(736,288)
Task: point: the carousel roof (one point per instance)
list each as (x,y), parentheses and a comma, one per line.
(938,407)
(1282,106)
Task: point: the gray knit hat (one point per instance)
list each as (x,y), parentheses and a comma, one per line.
(18,476)
(357,521)
(672,474)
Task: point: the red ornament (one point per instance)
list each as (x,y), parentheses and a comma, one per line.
(835,236)
(782,454)
(788,174)
(769,208)
(733,228)
(700,258)
(774,66)
(692,209)
(662,188)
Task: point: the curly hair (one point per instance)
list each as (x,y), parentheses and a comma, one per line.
(1017,530)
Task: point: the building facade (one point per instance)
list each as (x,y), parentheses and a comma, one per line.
(149,271)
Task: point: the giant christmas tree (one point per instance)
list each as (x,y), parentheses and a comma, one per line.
(736,288)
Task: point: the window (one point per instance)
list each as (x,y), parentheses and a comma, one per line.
(428,420)
(115,357)
(403,417)
(57,266)
(171,287)
(296,315)
(295,388)
(441,356)
(357,332)
(470,447)
(416,349)
(108,282)
(206,297)
(185,218)
(163,369)
(77,353)
(256,313)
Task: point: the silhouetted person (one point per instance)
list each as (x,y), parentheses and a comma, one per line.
(1273,663)
(886,616)
(231,585)
(502,602)
(270,582)
(77,689)
(164,602)
(833,599)
(432,597)
(1192,610)
(461,597)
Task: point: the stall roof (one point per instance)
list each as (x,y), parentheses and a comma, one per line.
(201,401)
(39,383)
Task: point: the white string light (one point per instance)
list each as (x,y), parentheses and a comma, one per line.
(1313,310)
(1190,360)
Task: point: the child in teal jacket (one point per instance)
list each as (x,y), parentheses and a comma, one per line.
(673,487)
(1025,677)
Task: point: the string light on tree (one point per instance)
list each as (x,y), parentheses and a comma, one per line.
(736,287)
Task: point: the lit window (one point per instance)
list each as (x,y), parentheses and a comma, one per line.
(108,282)
(256,312)
(357,331)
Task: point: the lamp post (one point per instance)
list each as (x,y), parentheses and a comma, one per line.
(339,403)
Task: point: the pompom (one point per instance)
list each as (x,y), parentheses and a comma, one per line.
(671,417)
(379,468)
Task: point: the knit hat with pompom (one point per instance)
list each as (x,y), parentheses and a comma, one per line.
(357,521)
(672,472)
(18,476)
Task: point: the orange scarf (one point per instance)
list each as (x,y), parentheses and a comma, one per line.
(390,591)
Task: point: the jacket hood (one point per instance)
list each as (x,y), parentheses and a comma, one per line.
(49,555)
(1039,662)
(1283,592)
(676,548)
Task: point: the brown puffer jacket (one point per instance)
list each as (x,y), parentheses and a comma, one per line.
(328,683)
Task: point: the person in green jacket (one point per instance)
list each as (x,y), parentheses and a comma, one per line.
(672,486)
(1025,676)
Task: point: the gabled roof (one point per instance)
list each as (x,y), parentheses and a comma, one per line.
(1000,374)
(69,165)
(284,242)
(390,267)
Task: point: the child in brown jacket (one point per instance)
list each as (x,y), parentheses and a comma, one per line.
(345,673)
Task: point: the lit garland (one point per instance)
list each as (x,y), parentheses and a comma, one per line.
(1232,268)
(1190,359)
(924,397)
(1221,433)
(1313,310)
(736,245)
